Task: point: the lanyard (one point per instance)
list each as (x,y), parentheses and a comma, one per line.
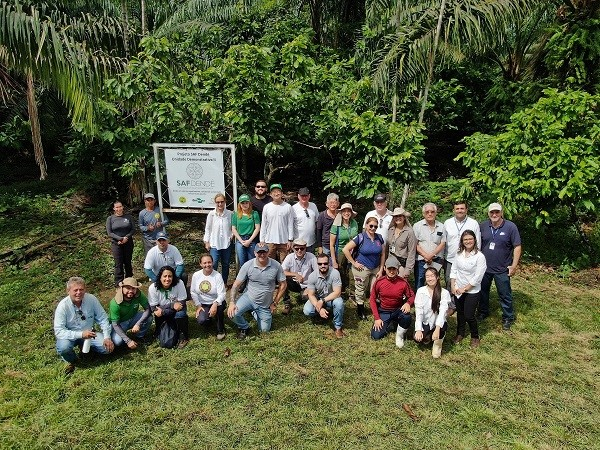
(459,229)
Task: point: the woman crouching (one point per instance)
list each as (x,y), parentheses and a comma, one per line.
(431,304)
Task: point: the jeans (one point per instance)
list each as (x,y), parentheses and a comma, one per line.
(244,254)
(203,318)
(64,347)
(128,325)
(122,255)
(336,305)
(223,255)
(466,305)
(261,314)
(420,274)
(387,316)
(502,281)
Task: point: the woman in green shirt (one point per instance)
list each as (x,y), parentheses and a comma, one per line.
(344,229)
(245,226)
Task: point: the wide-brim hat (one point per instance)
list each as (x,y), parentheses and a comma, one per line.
(400,212)
(348,206)
(132,282)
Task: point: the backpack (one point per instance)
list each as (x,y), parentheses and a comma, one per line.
(361,239)
(168,337)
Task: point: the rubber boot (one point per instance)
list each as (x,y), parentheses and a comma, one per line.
(436,351)
(360,312)
(400,332)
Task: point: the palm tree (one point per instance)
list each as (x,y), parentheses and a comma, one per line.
(68,53)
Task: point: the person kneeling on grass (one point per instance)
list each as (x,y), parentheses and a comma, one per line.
(431,305)
(261,275)
(391,300)
(125,314)
(208,294)
(324,290)
(74,320)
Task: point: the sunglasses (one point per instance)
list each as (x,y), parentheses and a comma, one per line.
(372,227)
(260,187)
(81,315)
(306,212)
(299,248)
(323,263)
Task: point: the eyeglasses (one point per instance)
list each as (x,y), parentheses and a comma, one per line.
(323,263)
(299,249)
(81,315)
(306,212)
(258,186)
(430,212)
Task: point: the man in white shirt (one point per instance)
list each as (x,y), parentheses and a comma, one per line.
(208,293)
(277,225)
(454,227)
(382,214)
(297,267)
(164,254)
(305,219)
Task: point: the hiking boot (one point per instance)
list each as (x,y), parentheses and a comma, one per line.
(360,312)
(339,333)
(69,369)
(243,334)
(457,339)
(475,342)
(287,308)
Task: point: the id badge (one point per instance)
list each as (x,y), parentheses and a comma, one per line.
(492,245)
(393,248)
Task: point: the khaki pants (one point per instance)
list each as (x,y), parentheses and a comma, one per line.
(363,281)
(278,252)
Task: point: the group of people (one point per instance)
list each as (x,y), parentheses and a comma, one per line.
(322,257)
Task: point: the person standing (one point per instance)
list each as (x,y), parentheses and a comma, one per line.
(208,293)
(120,229)
(74,321)
(324,291)
(402,242)
(218,236)
(382,214)
(343,230)
(277,226)
(260,197)
(325,221)
(151,221)
(465,282)
(501,246)
(391,299)
(245,227)
(305,219)
(261,297)
(431,242)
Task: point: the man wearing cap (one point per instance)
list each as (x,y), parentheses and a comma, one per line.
(297,266)
(454,227)
(382,214)
(261,297)
(164,254)
(260,197)
(277,225)
(305,219)
(151,221)
(324,291)
(74,321)
(125,314)
(325,221)
(501,246)
(429,233)
(391,300)
(208,293)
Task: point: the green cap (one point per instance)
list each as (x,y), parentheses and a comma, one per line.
(276,186)
(244,198)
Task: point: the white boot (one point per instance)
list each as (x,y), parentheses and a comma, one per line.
(400,332)
(436,351)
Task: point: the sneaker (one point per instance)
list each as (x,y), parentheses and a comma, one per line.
(286,309)
(457,339)
(69,369)
(243,334)
(221,336)
(507,324)
(339,333)
(183,343)
(475,342)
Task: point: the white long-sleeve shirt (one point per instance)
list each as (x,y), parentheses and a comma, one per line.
(218,229)
(453,229)
(424,313)
(468,268)
(207,289)
(277,225)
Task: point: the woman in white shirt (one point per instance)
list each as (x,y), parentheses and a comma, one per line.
(218,236)
(466,274)
(431,304)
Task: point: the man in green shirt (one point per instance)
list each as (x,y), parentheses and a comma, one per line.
(125,313)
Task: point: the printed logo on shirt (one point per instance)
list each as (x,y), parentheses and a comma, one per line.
(205,287)
(156,215)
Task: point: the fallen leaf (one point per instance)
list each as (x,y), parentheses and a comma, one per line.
(227,352)
(411,414)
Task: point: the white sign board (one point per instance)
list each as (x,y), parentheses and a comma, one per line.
(194,176)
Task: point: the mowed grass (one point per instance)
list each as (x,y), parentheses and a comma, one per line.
(296,387)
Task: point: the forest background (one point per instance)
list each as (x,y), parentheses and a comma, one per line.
(487,101)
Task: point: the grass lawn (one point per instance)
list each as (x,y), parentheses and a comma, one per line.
(297,387)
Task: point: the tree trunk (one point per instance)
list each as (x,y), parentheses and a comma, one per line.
(36,134)
(143,13)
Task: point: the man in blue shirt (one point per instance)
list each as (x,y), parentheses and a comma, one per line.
(501,245)
(151,221)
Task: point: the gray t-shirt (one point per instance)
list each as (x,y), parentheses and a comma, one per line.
(261,280)
(323,286)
